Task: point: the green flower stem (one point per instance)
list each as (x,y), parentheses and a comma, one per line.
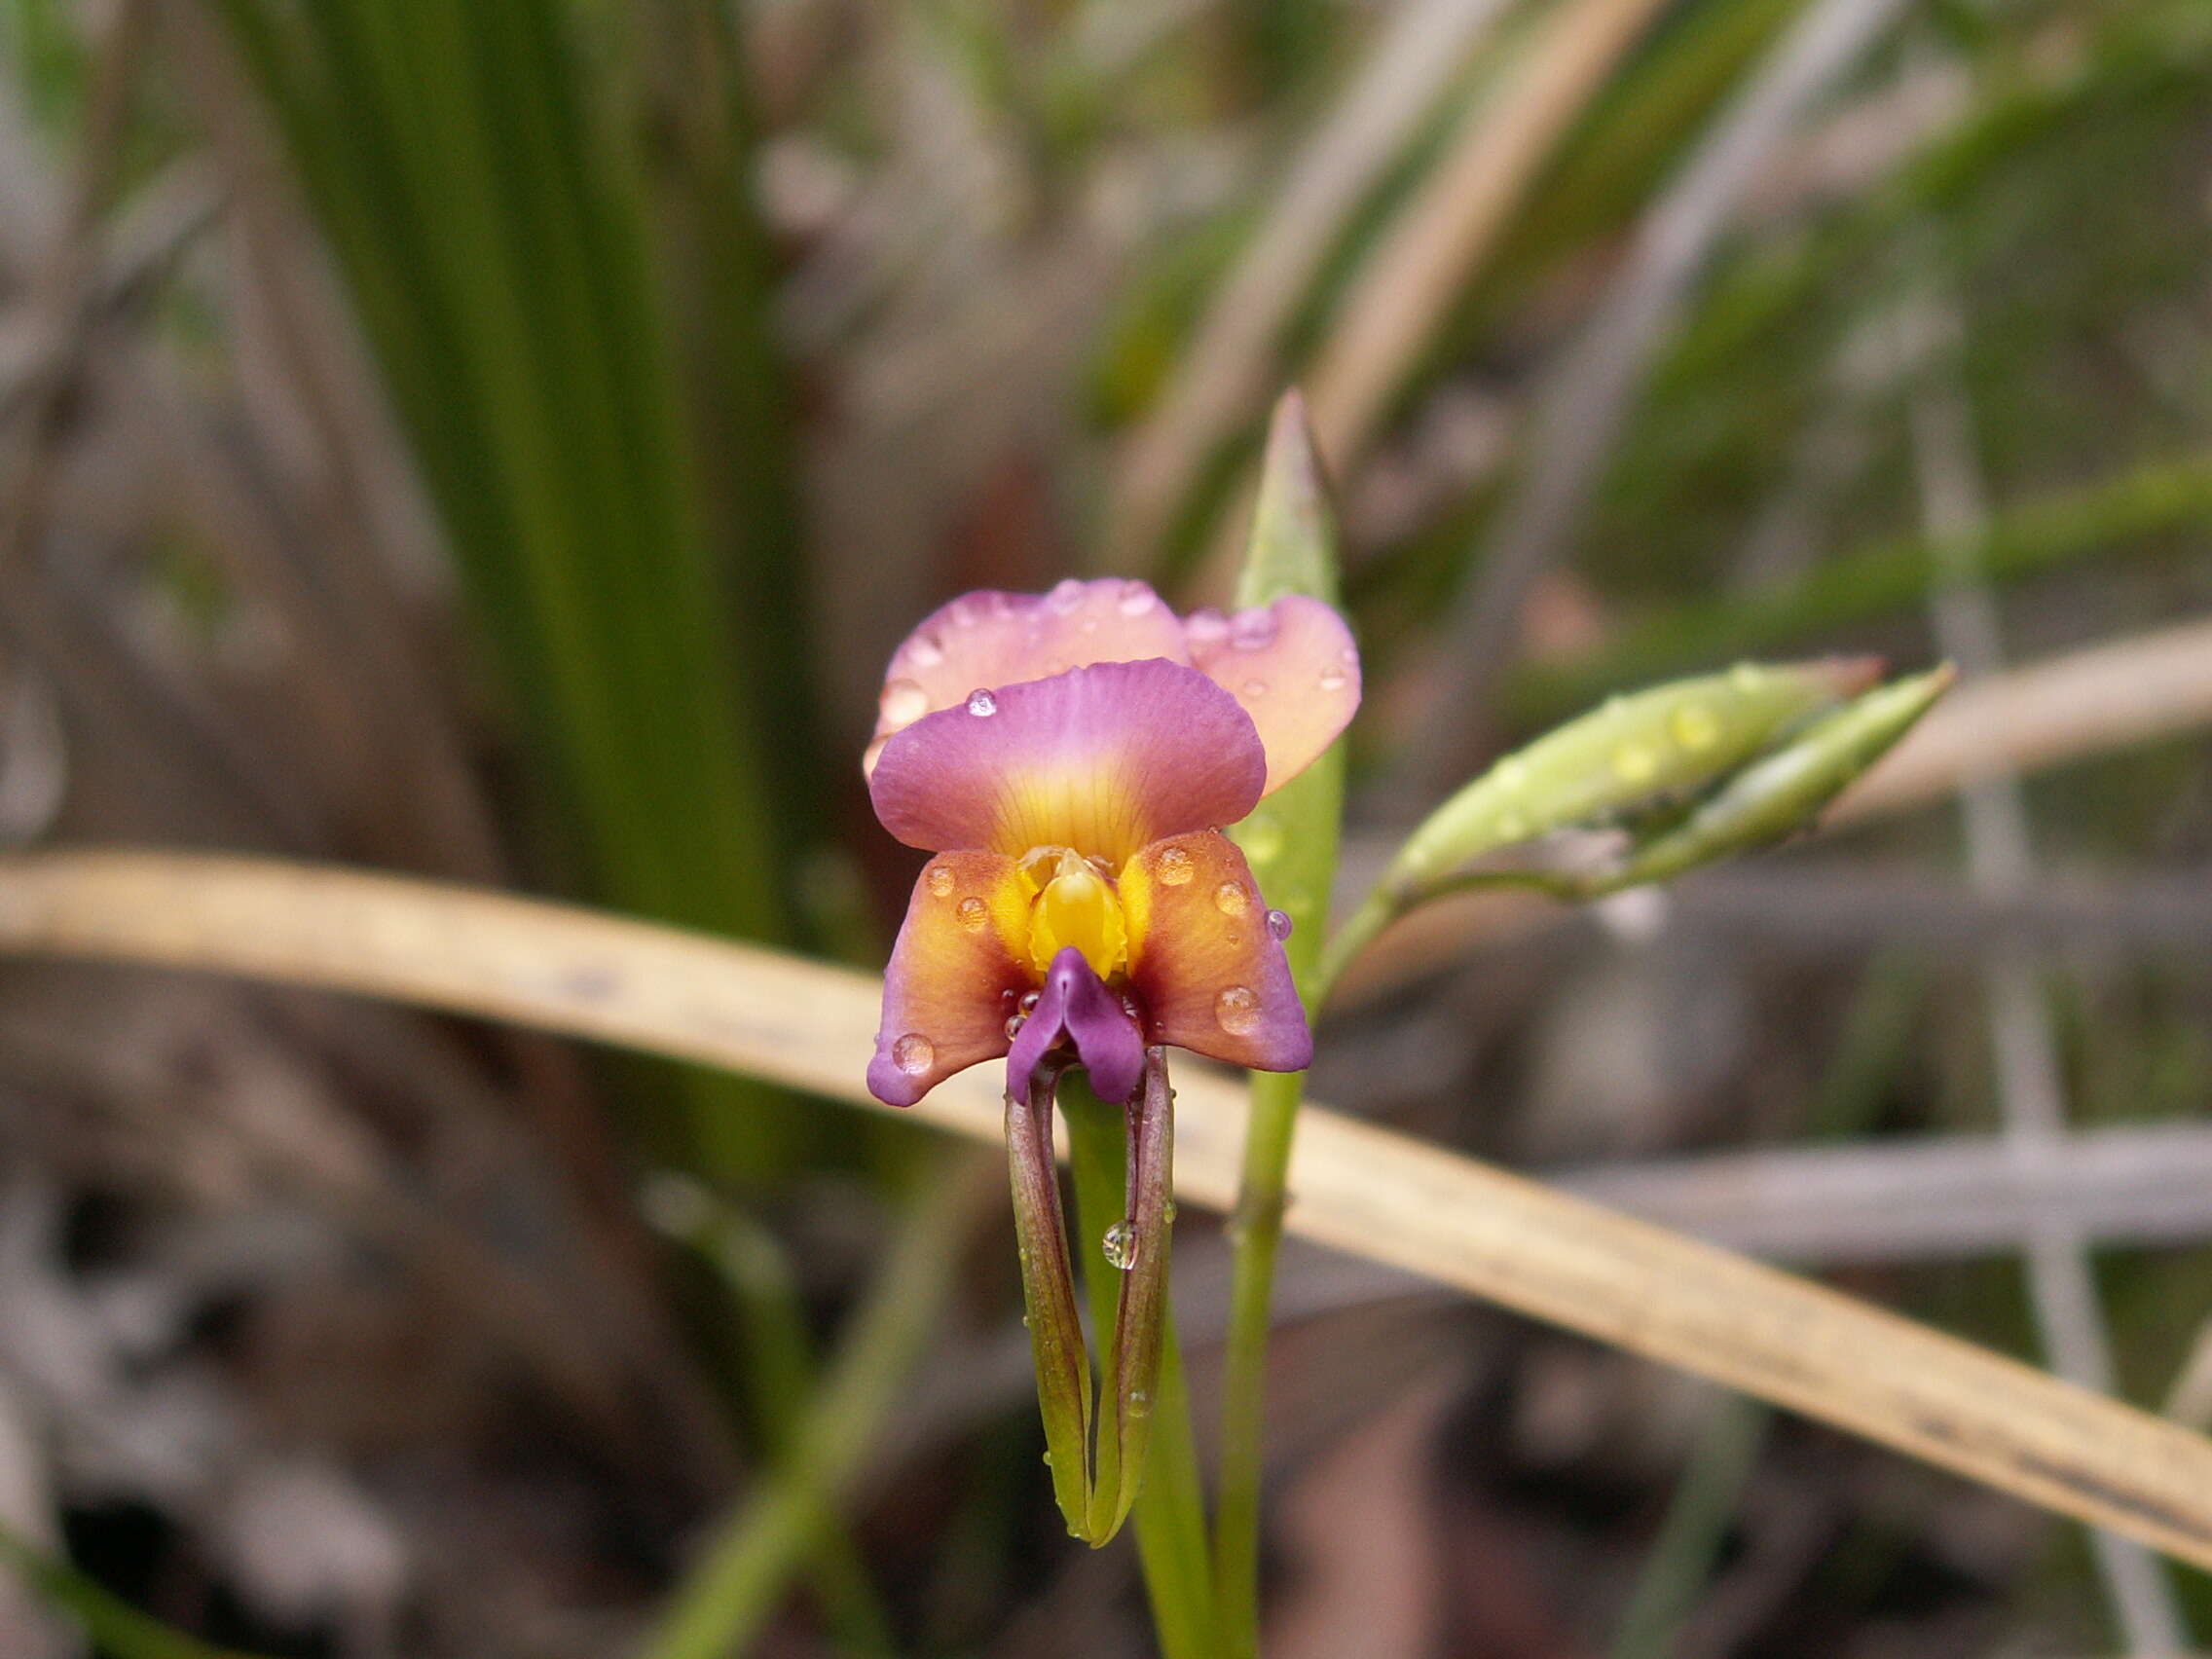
(1170,1513)
(120,1628)
(782,1373)
(1377,911)
(1257,1234)
(736,1586)
(1291,841)
(1690,1538)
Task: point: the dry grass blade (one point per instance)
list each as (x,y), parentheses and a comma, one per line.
(1357,1189)
(1582,416)
(1447,230)
(1224,375)
(1926,1199)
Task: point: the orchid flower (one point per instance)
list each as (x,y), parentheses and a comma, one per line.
(1071,758)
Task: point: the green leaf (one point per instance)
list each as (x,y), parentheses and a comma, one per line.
(469,163)
(1290,838)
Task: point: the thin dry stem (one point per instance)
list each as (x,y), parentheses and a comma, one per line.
(1447,232)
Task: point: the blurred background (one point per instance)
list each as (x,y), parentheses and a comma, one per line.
(502,439)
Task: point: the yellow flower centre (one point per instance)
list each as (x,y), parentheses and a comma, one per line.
(1076,904)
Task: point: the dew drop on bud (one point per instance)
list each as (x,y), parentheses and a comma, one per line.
(972,913)
(1237,1010)
(913,1053)
(1333,679)
(1250,630)
(1173,867)
(1231,899)
(1137,599)
(1694,727)
(903,703)
(1634,764)
(1065,595)
(940,881)
(1278,924)
(981,704)
(1121,1245)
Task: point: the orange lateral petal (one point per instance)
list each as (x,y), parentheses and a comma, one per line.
(1207,972)
(956,974)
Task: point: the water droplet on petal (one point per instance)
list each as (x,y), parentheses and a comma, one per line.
(913,1053)
(1014,1025)
(1333,679)
(1255,687)
(903,703)
(981,704)
(974,914)
(1250,630)
(1173,867)
(1137,599)
(1065,595)
(1695,727)
(1121,1245)
(940,881)
(924,651)
(962,613)
(1636,763)
(1205,628)
(1029,1002)
(1237,1009)
(1278,924)
(1231,899)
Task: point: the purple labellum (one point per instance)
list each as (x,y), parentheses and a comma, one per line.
(1075,1007)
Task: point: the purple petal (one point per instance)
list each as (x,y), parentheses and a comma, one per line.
(1293,666)
(1076,1005)
(1003,639)
(1104,760)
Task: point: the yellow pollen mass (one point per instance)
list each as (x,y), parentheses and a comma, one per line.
(1075,904)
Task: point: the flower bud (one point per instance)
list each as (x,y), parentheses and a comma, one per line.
(1632,753)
